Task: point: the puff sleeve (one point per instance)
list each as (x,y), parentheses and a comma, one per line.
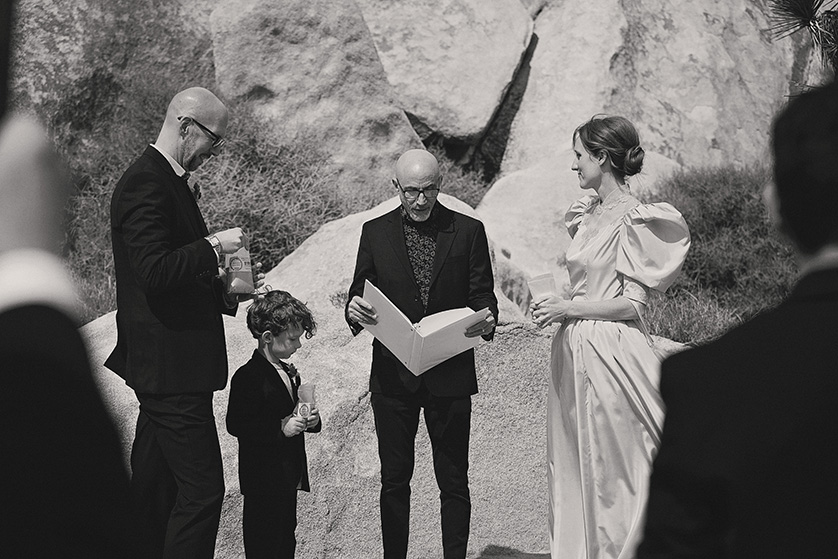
(653,243)
(576,211)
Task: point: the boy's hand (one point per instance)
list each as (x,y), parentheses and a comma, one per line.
(313,418)
(293,425)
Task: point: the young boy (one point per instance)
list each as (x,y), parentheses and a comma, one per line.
(260,412)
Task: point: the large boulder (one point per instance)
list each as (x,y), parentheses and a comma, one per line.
(340,517)
(700,79)
(310,72)
(449,61)
(524,211)
(534,6)
(70,60)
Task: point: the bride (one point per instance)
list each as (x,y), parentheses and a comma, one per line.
(604,409)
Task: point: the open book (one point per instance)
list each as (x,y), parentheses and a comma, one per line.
(421,346)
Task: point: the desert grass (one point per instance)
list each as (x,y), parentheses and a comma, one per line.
(738,264)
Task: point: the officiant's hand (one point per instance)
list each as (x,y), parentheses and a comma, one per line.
(361,311)
(482,328)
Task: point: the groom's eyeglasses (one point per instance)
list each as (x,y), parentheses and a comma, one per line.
(217,141)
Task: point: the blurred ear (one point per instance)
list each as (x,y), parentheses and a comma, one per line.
(772,204)
(266,337)
(34,188)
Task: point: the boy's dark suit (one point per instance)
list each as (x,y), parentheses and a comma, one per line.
(746,467)
(461,276)
(271,466)
(171,350)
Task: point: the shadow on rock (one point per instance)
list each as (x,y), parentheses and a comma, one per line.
(501,552)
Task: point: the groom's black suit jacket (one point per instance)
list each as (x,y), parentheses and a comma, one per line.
(461,277)
(169,300)
(749,454)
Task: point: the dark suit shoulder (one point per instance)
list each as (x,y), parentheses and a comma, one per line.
(145,182)
(151,165)
(788,342)
(379,221)
(462,218)
(255,368)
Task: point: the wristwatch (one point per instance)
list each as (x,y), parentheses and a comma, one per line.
(215,244)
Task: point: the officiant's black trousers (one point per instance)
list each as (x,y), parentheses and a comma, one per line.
(396,423)
(177,481)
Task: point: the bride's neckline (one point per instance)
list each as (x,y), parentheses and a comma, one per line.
(611,201)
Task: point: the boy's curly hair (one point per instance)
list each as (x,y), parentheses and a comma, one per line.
(278,311)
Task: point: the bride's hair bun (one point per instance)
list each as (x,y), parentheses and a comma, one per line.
(633,163)
(617,137)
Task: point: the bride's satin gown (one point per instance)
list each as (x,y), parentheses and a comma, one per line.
(604,410)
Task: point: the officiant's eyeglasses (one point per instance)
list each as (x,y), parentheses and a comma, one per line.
(217,141)
(413,193)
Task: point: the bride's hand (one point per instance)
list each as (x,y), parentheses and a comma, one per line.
(549,310)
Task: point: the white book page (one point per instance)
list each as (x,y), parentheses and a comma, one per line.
(448,340)
(434,322)
(393,329)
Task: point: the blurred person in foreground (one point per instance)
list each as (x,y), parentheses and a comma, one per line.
(604,412)
(747,461)
(425,258)
(64,484)
(171,348)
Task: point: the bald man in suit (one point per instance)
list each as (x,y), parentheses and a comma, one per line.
(171,348)
(425,258)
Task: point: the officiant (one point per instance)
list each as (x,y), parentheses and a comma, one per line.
(425,258)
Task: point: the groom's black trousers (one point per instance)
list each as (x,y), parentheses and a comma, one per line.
(178,481)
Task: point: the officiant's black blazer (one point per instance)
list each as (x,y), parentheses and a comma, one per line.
(461,277)
(749,452)
(169,300)
(268,460)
